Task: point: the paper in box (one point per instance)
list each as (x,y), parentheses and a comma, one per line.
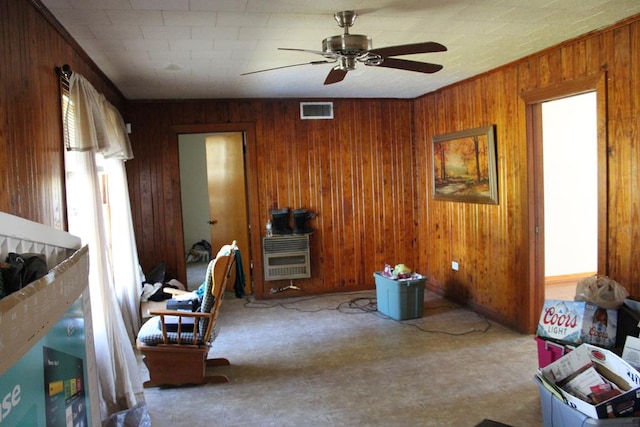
(578,322)
(631,351)
(607,364)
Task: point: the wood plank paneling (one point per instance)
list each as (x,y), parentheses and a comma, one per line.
(491,242)
(355,171)
(31,147)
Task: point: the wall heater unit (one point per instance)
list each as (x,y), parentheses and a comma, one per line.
(286,257)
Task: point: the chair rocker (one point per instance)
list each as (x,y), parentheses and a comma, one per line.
(178,355)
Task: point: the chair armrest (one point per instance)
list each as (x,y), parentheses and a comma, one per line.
(174,291)
(179,313)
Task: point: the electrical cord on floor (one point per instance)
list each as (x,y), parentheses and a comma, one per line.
(483,330)
(407,322)
(286,305)
(364,305)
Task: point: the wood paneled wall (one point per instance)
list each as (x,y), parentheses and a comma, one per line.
(491,242)
(355,171)
(31,147)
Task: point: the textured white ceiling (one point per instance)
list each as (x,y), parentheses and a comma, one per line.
(179,49)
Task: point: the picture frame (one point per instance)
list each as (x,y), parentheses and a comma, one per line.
(464,166)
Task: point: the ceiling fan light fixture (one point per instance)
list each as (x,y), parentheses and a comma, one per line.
(346,63)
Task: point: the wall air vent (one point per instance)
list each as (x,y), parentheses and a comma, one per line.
(316,110)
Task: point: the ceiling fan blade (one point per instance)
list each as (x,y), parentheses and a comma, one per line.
(288,66)
(403,64)
(316,52)
(335,75)
(410,49)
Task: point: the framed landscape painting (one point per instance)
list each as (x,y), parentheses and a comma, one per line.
(464,166)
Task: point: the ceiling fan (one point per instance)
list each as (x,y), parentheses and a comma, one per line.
(346,50)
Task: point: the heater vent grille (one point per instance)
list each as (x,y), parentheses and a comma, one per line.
(286,257)
(286,244)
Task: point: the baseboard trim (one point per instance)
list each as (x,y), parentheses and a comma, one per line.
(552,280)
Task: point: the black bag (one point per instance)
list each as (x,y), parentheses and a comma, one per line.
(192,304)
(19,270)
(187,326)
(171,322)
(157,275)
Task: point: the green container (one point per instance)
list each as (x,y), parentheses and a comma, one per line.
(400,299)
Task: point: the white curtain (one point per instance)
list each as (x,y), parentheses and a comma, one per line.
(89,121)
(127,279)
(93,123)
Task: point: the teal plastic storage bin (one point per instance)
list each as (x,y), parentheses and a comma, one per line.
(400,299)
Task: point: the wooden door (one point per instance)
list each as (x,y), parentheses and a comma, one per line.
(227,197)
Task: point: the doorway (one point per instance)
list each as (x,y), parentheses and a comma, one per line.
(214,198)
(534,100)
(570,173)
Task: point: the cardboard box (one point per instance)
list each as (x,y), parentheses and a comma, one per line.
(583,359)
(400,299)
(578,322)
(557,413)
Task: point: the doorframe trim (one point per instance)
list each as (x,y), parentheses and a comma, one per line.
(250,168)
(533,100)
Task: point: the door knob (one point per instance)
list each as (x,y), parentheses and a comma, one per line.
(212,222)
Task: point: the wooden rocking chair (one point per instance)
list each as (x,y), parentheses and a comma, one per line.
(179,356)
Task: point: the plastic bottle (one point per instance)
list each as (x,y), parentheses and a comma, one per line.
(269,228)
(387,271)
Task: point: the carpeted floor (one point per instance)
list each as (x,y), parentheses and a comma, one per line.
(333,361)
(195,274)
